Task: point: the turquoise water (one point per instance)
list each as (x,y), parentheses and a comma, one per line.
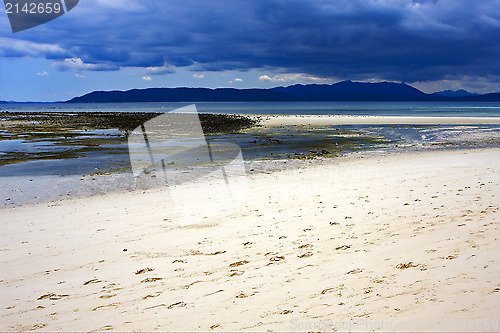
(437,109)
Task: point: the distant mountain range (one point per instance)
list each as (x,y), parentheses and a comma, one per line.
(456,93)
(341,91)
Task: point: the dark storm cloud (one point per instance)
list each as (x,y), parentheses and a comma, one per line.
(356,39)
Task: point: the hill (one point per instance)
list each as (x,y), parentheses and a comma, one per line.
(456,93)
(341,91)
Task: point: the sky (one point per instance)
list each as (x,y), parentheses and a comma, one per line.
(125,44)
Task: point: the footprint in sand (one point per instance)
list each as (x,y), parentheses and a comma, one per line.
(334,289)
(235,273)
(215,292)
(105,306)
(239,263)
(179,261)
(178,304)
(51,296)
(153,279)
(91,281)
(152,296)
(187,286)
(410,264)
(106,328)
(37,326)
(144,270)
(242,295)
(110,287)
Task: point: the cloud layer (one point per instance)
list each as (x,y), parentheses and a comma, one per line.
(398,40)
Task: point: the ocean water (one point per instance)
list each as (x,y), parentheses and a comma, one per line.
(432,109)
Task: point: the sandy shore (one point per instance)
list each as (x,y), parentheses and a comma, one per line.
(322,120)
(401,242)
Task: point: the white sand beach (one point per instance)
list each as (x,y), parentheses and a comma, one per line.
(322,120)
(404,242)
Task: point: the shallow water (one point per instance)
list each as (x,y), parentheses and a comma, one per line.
(52,179)
(446,109)
(60,156)
(57,161)
(87,154)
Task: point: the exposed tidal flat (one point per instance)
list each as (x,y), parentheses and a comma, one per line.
(29,136)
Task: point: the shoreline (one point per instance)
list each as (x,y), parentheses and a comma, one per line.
(19,191)
(320,120)
(361,238)
(417,137)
